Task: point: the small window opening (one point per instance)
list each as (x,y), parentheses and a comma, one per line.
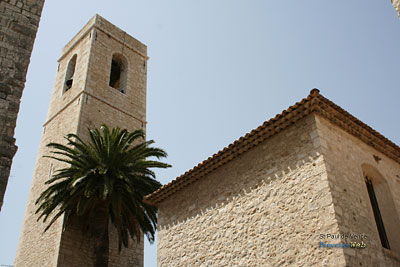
(377,214)
(115,75)
(69,75)
(383,207)
(118,73)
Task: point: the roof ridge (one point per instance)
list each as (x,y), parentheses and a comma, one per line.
(313,103)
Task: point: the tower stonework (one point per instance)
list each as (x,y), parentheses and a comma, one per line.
(101,78)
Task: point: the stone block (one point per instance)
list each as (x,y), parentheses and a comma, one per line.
(5,88)
(22,29)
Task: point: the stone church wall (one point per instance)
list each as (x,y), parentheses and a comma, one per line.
(19,21)
(268,207)
(344,156)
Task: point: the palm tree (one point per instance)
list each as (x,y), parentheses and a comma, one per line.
(104,181)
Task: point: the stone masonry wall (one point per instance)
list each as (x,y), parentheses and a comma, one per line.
(62,118)
(268,207)
(36,248)
(344,156)
(396,4)
(129,108)
(19,21)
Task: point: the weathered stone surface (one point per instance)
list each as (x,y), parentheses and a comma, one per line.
(19,22)
(274,204)
(5,88)
(90,102)
(345,156)
(22,29)
(264,208)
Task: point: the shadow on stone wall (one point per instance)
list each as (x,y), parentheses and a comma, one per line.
(278,160)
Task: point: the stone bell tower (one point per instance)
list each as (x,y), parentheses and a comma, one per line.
(101,78)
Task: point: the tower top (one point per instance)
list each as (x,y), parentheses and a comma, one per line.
(112,31)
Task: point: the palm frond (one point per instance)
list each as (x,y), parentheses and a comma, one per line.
(110,170)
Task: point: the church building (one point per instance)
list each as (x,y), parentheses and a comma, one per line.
(313,186)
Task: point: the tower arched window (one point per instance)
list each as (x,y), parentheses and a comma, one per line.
(69,75)
(118,73)
(383,207)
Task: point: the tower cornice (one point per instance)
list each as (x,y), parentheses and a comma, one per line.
(314,103)
(99,23)
(83,93)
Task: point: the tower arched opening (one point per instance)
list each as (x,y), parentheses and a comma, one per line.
(118,72)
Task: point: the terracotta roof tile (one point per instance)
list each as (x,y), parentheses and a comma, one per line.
(313,103)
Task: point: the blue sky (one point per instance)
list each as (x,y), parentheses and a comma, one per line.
(217,70)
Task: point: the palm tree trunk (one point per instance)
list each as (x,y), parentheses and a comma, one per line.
(101,241)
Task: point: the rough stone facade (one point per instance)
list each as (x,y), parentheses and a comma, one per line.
(19,21)
(88,103)
(396,4)
(264,208)
(287,198)
(348,161)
